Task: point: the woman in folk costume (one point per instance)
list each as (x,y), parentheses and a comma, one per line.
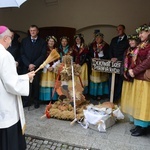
(130,60)
(12,86)
(129,63)
(79,53)
(48,76)
(138,105)
(64,48)
(99,80)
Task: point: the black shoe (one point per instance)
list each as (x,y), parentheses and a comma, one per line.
(36,105)
(99,98)
(139,131)
(26,105)
(45,102)
(62,97)
(134,129)
(93,97)
(52,102)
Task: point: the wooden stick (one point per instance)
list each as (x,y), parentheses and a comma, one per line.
(81,81)
(43,116)
(112,87)
(72,122)
(37,70)
(74,98)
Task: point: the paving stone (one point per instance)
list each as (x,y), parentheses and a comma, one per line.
(28,146)
(37,140)
(59,144)
(48,146)
(70,147)
(30,143)
(38,145)
(53,148)
(29,138)
(32,147)
(76,148)
(50,142)
(34,144)
(55,144)
(64,146)
(33,140)
(43,146)
(45,142)
(40,142)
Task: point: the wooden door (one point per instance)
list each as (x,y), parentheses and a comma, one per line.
(58,32)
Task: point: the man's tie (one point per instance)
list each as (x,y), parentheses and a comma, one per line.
(119,39)
(33,41)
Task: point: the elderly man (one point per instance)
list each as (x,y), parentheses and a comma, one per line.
(12,86)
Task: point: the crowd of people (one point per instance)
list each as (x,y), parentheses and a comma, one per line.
(33,50)
(131,86)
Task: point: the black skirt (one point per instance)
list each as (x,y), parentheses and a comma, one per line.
(12,139)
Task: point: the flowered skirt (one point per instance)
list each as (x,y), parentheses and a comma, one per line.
(135,100)
(47,84)
(98,83)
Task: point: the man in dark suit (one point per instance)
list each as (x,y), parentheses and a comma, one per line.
(118,46)
(33,53)
(14,49)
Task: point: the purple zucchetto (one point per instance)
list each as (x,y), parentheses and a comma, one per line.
(3,29)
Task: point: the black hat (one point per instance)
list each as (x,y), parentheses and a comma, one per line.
(96,31)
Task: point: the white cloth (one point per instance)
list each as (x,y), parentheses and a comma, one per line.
(101,54)
(118,114)
(98,116)
(12,86)
(45,68)
(48,65)
(56,63)
(78,45)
